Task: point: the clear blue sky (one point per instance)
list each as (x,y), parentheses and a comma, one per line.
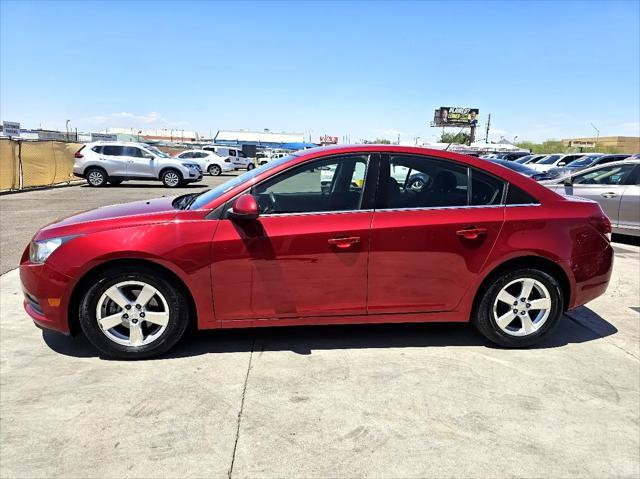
(368,69)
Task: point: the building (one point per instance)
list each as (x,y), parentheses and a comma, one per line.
(264,138)
(159,134)
(624,144)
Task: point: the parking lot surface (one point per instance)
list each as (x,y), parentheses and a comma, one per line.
(352,401)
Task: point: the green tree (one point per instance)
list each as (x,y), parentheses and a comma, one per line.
(461,138)
(382,141)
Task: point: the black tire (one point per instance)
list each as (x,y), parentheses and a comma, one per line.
(96,177)
(115,182)
(168,178)
(250,166)
(483,316)
(176,301)
(215,170)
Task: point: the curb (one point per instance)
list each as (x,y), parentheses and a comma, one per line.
(44,187)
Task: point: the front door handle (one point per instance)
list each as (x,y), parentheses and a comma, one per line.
(344,243)
(608,194)
(471,232)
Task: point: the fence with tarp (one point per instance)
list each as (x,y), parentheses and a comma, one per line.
(26,164)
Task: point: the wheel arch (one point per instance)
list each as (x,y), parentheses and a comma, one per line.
(169,167)
(83,283)
(95,167)
(530,261)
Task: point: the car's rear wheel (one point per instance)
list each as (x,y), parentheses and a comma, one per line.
(519,308)
(250,166)
(215,170)
(171,178)
(133,313)
(96,177)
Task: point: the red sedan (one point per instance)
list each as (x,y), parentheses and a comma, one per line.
(358,234)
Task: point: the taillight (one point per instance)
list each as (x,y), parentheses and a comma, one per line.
(227,160)
(78,154)
(601,224)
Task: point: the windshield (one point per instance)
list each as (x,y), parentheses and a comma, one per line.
(584,161)
(219,190)
(522,159)
(157,152)
(549,160)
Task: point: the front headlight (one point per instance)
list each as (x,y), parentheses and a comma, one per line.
(39,251)
(191,165)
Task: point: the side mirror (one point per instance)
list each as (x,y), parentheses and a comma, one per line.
(149,157)
(244,208)
(568,181)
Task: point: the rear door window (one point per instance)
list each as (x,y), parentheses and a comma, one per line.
(112,150)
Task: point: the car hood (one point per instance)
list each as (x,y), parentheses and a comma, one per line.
(114,216)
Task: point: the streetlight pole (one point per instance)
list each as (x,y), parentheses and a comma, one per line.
(597,133)
(67,127)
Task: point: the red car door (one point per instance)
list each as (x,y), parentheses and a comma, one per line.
(431,233)
(306,254)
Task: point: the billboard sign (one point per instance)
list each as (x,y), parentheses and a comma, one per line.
(329,140)
(456,116)
(11,128)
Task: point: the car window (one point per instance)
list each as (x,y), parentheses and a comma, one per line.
(185,155)
(200,154)
(112,150)
(517,196)
(485,189)
(610,175)
(241,154)
(334,184)
(549,160)
(132,151)
(232,152)
(97,149)
(421,182)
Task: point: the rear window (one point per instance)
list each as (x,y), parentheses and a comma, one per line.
(97,149)
(517,196)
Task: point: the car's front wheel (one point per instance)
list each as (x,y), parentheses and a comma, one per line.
(519,308)
(250,166)
(171,178)
(133,313)
(215,170)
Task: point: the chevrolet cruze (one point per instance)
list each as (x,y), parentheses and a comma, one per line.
(327,236)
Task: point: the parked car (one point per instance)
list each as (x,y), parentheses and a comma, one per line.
(585,162)
(512,155)
(525,160)
(113,162)
(208,161)
(522,169)
(271,247)
(615,186)
(556,160)
(236,155)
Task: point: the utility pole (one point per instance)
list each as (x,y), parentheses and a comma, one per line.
(67,127)
(486,135)
(597,134)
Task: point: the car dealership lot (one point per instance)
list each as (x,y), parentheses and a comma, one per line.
(378,401)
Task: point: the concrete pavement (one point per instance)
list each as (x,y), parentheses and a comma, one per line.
(366,401)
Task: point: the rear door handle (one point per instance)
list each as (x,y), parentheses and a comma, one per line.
(344,243)
(608,194)
(471,232)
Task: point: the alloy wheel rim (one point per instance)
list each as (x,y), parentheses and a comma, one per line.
(95,178)
(132,313)
(171,179)
(214,170)
(522,307)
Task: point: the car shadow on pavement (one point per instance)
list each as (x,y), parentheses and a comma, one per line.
(579,326)
(159,186)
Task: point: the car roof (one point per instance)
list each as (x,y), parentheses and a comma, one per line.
(119,143)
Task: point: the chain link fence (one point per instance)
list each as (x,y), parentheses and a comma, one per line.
(27,164)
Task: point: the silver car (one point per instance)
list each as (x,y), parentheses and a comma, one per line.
(616,186)
(114,162)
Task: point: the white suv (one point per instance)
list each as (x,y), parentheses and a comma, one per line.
(208,161)
(113,162)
